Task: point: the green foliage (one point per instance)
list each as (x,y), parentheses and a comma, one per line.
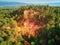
(50,35)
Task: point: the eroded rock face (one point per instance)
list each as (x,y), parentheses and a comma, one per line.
(27,13)
(31,13)
(29,27)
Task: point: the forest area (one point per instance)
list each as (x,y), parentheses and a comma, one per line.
(30,25)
